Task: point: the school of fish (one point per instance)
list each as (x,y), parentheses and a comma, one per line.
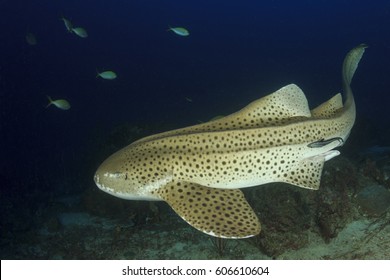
(81,32)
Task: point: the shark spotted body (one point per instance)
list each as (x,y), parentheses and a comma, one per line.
(199,170)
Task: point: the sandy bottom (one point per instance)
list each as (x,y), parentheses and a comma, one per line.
(83,236)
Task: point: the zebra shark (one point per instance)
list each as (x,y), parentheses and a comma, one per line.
(199,170)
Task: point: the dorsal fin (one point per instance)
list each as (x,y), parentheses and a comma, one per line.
(287,102)
(328,108)
(284,105)
(221,213)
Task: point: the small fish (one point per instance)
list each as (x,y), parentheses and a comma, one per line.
(31,39)
(68,24)
(59,103)
(107,75)
(179,31)
(188,99)
(323,142)
(81,32)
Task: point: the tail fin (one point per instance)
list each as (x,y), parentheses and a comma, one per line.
(351,62)
(350,65)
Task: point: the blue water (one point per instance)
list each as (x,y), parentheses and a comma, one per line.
(237,51)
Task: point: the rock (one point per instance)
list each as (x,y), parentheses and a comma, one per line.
(285,218)
(374,200)
(53,225)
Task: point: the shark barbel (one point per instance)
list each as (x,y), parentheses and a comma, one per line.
(199,170)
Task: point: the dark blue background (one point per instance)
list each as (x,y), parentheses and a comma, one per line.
(237,51)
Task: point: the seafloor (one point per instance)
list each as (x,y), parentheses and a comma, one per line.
(348,218)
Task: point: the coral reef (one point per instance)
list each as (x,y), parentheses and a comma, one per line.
(289,214)
(335,205)
(285,217)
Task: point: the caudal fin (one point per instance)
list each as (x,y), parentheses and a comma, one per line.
(351,62)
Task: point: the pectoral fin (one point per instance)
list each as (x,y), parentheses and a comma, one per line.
(307,173)
(223,213)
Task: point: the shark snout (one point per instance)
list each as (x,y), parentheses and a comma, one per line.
(107,175)
(96,178)
(110,181)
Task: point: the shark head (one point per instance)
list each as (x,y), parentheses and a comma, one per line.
(128,174)
(199,170)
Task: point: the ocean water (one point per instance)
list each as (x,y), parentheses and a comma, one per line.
(237,51)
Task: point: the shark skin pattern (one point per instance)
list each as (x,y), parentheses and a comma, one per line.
(199,170)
